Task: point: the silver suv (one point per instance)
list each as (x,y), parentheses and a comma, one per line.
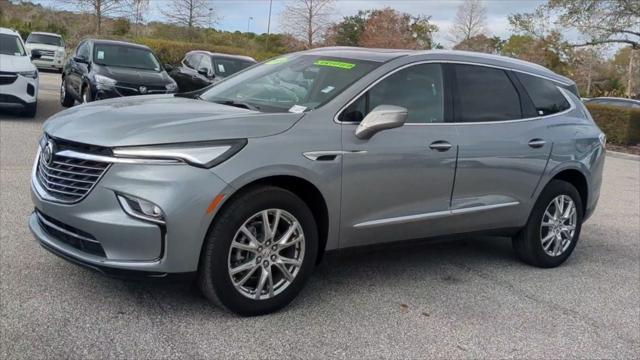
(247,183)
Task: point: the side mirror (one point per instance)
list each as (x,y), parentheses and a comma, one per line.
(35,54)
(168,67)
(80,59)
(205,72)
(383,117)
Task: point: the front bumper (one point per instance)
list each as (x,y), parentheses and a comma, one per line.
(21,91)
(130,244)
(49,63)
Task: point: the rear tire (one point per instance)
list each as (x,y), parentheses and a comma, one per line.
(553,229)
(66,99)
(281,263)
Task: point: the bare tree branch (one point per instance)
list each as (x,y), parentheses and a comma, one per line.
(307,20)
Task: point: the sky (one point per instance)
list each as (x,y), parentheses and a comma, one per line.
(234,15)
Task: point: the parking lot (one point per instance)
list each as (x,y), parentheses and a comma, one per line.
(468,298)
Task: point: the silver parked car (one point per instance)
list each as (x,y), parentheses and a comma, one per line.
(249,182)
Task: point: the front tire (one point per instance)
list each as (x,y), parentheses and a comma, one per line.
(30,110)
(66,99)
(86,94)
(553,228)
(259,252)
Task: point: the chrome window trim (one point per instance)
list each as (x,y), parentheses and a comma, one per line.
(432,215)
(571,103)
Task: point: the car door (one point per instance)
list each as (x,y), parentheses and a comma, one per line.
(397,185)
(79,68)
(503,149)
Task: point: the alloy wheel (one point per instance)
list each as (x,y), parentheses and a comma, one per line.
(266,254)
(558,225)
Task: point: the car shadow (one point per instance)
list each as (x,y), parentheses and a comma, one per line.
(342,273)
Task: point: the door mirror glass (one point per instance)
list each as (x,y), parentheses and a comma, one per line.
(382,117)
(205,72)
(80,59)
(35,54)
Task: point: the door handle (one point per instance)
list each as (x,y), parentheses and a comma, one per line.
(440,145)
(537,143)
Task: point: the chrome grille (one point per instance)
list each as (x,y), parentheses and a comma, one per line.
(46,52)
(68,179)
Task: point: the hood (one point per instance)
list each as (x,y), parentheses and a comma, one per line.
(33,46)
(135,76)
(12,63)
(162,119)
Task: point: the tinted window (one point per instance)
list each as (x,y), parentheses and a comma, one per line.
(83,50)
(226,67)
(11,45)
(193,60)
(418,88)
(545,95)
(125,56)
(485,94)
(44,39)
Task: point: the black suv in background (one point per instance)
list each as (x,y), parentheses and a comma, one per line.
(101,69)
(199,69)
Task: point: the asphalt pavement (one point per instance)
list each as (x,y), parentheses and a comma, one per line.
(464,299)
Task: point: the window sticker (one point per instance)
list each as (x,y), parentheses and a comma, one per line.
(327,90)
(276,61)
(100,55)
(336,64)
(297,109)
(221,68)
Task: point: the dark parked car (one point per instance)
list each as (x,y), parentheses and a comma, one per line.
(614,101)
(199,69)
(101,69)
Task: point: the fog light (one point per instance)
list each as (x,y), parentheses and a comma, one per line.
(141,209)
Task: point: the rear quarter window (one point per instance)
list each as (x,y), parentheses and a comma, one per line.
(544,94)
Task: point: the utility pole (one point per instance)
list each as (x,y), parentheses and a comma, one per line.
(631,73)
(269,24)
(249,23)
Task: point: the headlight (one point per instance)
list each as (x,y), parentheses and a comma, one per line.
(172,86)
(201,154)
(104,82)
(30,74)
(140,208)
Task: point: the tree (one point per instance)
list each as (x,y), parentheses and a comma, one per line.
(189,13)
(470,21)
(348,31)
(99,8)
(604,22)
(481,43)
(388,28)
(307,20)
(136,10)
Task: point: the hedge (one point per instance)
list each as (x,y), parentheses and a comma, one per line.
(172,52)
(621,125)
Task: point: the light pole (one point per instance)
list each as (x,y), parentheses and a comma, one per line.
(269,24)
(249,23)
(210,13)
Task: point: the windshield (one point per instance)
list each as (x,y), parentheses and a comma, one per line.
(125,56)
(294,83)
(45,39)
(11,45)
(225,67)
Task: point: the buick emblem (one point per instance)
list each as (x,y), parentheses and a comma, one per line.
(143,89)
(48,152)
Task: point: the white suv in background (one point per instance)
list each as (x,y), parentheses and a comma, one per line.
(18,76)
(51,48)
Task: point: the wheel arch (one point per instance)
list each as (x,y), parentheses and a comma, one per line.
(578,179)
(303,188)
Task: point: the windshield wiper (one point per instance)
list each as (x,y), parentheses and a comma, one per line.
(235,103)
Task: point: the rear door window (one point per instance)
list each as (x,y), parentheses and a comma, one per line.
(485,94)
(546,96)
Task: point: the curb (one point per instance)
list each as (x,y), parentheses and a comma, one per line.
(621,155)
